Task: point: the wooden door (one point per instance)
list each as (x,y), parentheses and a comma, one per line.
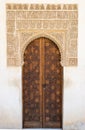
(42,85)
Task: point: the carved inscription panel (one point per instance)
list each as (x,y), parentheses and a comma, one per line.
(26,22)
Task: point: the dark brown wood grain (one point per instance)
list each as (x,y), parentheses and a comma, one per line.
(42,85)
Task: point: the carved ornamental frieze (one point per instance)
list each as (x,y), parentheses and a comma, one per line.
(26,22)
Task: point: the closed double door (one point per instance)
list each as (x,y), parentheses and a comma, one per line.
(42,78)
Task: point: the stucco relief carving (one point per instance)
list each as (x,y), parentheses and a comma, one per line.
(26,22)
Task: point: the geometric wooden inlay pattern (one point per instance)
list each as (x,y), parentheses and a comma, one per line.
(42,76)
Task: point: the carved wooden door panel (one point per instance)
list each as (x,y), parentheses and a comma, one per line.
(31,86)
(42,85)
(52,91)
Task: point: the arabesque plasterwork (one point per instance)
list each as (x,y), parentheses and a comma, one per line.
(26,22)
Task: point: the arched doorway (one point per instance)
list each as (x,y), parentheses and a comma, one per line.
(42,78)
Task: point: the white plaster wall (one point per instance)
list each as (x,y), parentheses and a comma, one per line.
(74,79)
(74,95)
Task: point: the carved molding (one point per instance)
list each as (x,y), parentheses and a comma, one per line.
(41,7)
(26,22)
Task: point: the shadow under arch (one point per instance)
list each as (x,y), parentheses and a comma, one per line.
(57,42)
